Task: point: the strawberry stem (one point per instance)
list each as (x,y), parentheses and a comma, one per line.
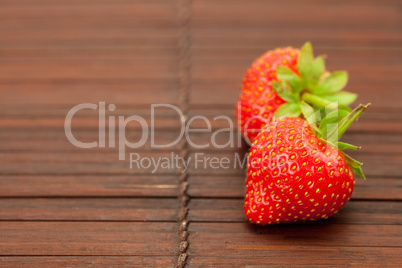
(335,134)
(317,101)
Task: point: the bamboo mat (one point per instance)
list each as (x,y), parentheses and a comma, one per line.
(65,206)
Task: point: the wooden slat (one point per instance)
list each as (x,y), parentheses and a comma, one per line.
(212,70)
(87,238)
(89,186)
(234,187)
(299,256)
(382,19)
(88,38)
(375,143)
(257,13)
(334,55)
(84,2)
(244,56)
(57,123)
(220,239)
(136,38)
(44,3)
(228,94)
(210,7)
(86,162)
(46,139)
(144,186)
(82,163)
(62,23)
(88,209)
(355,212)
(237,60)
(65,261)
(87,69)
(68,94)
(266,37)
(264,3)
(42,110)
(150,10)
(138,54)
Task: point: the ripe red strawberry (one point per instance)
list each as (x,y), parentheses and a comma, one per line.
(281,78)
(294,175)
(258,101)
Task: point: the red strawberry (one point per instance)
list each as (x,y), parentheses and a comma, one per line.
(258,100)
(281,78)
(294,175)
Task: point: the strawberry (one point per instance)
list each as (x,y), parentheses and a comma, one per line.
(277,82)
(294,174)
(258,101)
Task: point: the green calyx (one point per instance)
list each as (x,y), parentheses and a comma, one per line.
(313,84)
(332,130)
(315,95)
(333,126)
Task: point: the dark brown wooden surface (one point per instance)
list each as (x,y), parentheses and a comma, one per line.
(64,206)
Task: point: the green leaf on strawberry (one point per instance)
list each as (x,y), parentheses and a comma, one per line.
(313,83)
(305,63)
(334,125)
(288,77)
(334,82)
(343,146)
(288,109)
(342,98)
(318,67)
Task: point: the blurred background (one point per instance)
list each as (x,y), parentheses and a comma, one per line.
(57,54)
